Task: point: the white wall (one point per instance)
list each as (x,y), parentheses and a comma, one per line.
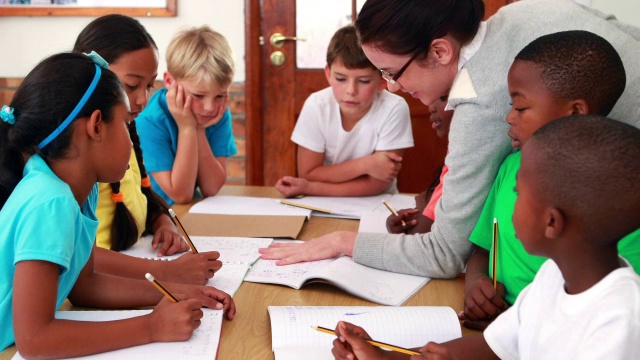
(24,41)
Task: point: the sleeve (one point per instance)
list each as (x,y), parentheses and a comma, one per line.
(308,130)
(220,137)
(483,231)
(155,139)
(396,132)
(502,334)
(478,143)
(41,236)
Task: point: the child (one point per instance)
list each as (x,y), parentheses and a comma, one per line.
(185,131)
(350,136)
(132,55)
(419,220)
(578,195)
(550,78)
(67,113)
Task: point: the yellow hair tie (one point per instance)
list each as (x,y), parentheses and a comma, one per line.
(145,182)
(116,198)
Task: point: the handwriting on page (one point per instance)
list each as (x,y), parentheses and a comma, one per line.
(403,326)
(293,275)
(202,345)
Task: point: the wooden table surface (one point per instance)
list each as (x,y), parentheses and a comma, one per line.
(248,336)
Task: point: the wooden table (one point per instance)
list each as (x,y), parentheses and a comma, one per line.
(248,336)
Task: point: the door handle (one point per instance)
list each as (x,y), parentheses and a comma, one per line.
(277,39)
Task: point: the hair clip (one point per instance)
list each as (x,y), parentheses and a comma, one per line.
(7,115)
(97,59)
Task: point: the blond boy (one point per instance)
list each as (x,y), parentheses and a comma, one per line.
(185,130)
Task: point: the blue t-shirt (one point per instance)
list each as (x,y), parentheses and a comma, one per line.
(158,133)
(41,220)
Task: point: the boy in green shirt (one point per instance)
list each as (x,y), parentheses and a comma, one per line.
(572,72)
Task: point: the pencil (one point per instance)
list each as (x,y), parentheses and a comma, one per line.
(495,254)
(285,202)
(160,287)
(177,222)
(393,211)
(373,342)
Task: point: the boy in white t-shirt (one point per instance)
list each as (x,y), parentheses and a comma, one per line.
(351,135)
(578,195)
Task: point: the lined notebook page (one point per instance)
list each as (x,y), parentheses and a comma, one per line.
(232,249)
(245,205)
(202,345)
(407,326)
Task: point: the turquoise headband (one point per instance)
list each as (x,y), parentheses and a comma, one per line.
(75,111)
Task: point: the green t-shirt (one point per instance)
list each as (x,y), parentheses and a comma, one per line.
(516,267)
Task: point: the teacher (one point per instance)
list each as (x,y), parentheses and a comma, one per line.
(425,48)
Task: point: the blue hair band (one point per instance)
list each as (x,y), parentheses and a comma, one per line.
(75,111)
(6,114)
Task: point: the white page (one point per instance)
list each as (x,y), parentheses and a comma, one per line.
(407,326)
(379,286)
(239,250)
(375,285)
(229,277)
(342,207)
(397,202)
(245,205)
(202,345)
(373,222)
(293,275)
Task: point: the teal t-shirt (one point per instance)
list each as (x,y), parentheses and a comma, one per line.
(158,134)
(41,220)
(516,267)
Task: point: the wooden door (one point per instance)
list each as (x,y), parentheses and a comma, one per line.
(275,95)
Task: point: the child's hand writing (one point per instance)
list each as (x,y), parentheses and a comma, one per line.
(433,351)
(384,165)
(179,104)
(482,303)
(290,186)
(174,321)
(169,241)
(351,344)
(394,223)
(192,268)
(210,297)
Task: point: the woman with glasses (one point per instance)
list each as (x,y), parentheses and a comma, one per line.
(427,47)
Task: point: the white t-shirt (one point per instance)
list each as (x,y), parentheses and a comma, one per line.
(386,126)
(545,322)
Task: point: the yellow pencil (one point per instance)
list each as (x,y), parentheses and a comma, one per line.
(285,202)
(373,342)
(495,254)
(178,224)
(393,211)
(160,287)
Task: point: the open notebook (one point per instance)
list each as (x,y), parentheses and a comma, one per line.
(236,254)
(354,207)
(375,285)
(202,345)
(408,326)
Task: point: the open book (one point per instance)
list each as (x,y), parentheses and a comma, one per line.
(202,345)
(375,285)
(236,254)
(354,207)
(408,326)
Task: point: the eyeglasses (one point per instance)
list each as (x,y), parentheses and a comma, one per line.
(392,78)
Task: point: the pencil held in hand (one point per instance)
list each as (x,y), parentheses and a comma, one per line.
(495,254)
(393,211)
(373,342)
(160,287)
(186,237)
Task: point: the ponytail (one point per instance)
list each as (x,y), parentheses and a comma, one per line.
(124,231)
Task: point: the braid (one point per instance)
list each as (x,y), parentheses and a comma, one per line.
(156,206)
(124,231)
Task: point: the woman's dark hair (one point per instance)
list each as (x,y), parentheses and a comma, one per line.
(112,36)
(48,94)
(402,27)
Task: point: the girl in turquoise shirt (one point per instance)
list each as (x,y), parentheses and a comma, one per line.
(67,114)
